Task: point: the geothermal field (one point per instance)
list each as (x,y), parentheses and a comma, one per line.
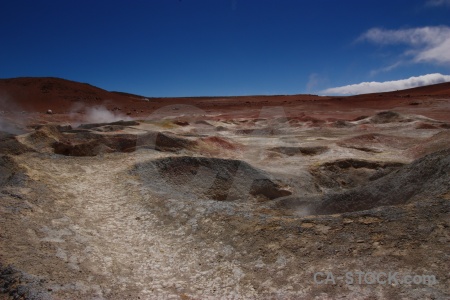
(108,195)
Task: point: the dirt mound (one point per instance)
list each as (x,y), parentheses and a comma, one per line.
(221,128)
(42,139)
(259,131)
(426,177)
(10,172)
(10,145)
(342,124)
(386,117)
(375,142)
(171,142)
(165,141)
(437,142)
(220,142)
(203,122)
(209,178)
(109,128)
(359,118)
(214,145)
(181,123)
(350,173)
(291,151)
(423,125)
(91,143)
(99,125)
(88,148)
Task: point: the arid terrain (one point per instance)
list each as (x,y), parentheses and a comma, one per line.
(117,196)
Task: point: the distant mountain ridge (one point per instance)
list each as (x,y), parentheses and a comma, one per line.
(37,94)
(30,93)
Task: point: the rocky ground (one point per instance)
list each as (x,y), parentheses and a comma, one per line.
(184,204)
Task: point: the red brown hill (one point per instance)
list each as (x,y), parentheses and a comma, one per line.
(40,94)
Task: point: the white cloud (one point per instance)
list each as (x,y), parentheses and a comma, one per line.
(427,44)
(386,86)
(386,69)
(437,3)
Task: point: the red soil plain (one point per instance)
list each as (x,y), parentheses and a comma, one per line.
(34,96)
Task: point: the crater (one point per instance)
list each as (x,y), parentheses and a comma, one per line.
(210,178)
(349,173)
(425,178)
(291,151)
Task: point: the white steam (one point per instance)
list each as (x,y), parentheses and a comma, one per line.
(95,114)
(100,114)
(8,127)
(10,120)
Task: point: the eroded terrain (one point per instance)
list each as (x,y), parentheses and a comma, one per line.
(225,206)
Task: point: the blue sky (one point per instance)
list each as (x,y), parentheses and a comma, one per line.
(226,47)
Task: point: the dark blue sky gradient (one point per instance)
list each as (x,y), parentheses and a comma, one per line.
(210,47)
